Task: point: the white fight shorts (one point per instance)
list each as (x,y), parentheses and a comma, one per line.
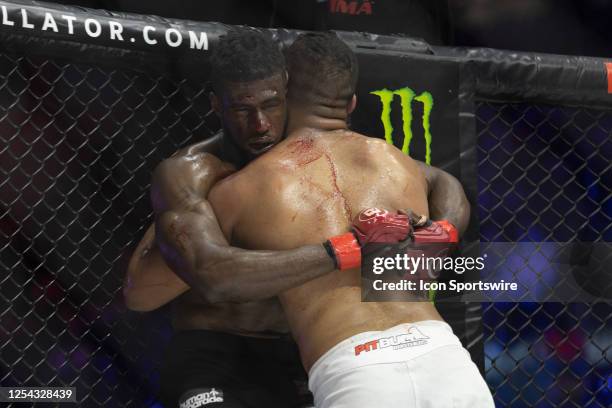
(418,364)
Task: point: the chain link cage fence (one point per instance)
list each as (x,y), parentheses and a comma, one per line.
(545,174)
(79,142)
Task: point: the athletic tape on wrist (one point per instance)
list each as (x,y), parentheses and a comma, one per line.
(346,250)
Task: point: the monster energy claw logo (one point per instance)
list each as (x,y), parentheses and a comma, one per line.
(406,95)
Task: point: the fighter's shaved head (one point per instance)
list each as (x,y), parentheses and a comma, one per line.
(322,68)
(245,55)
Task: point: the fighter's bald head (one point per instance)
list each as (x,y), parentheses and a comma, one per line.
(322,68)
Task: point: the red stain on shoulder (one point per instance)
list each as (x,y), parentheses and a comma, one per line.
(301,145)
(303,151)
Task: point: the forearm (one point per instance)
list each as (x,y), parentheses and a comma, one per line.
(447,200)
(193,245)
(238,275)
(147,298)
(149,283)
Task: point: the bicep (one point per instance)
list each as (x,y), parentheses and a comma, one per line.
(186,238)
(181,182)
(429,173)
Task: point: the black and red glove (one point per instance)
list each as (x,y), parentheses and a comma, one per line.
(432,239)
(373,225)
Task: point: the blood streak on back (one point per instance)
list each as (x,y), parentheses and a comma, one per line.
(337,192)
(303,151)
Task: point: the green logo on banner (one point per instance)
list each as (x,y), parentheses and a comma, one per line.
(406,95)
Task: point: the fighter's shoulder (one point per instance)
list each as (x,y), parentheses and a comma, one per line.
(358,141)
(372,148)
(184,179)
(375,144)
(210,145)
(190,165)
(382,147)
(376,153)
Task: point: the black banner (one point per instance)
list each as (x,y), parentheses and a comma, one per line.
(412,101)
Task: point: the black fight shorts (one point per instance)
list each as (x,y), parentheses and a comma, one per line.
(203,368)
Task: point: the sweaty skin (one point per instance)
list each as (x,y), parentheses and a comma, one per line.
(149,282)
(231,287)
(180,183)
(193,172)
(308,188)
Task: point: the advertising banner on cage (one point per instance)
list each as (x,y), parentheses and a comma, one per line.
(412,102)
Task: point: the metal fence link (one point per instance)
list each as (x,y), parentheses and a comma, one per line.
(545,174)
(78,144)
(78,147)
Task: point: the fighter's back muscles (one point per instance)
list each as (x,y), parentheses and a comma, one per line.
(192,244)
(150,283)
(351,173)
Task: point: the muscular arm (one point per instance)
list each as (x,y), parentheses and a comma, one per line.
(149,282)
(446,197)
(223,273)
(194,247)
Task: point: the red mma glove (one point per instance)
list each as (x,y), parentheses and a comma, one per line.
(436,231)
(373,225)
(381,226)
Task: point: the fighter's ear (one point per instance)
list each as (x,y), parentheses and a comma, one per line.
(215,104)
(352,105)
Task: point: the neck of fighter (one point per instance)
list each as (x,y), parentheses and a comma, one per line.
(231,153)
(317,116)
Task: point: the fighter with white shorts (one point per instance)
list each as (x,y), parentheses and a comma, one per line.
(315,184)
